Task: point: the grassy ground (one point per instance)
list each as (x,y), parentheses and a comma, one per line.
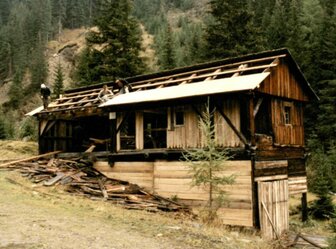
(10,150)
(33,216)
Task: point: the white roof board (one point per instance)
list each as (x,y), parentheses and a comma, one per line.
(35,111)
(225,85)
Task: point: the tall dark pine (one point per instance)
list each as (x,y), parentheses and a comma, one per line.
(59,80)
(231,31)
(326,76)
(115,46)
(4,11)
(167,60)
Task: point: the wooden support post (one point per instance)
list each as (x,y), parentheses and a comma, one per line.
(304,207)
(40,138)
(255,207)
(113,131)
(251,121)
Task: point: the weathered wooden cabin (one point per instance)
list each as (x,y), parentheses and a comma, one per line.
(259,102)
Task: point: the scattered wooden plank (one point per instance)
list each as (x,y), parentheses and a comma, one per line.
(30,158)
(54,180)
(81,179)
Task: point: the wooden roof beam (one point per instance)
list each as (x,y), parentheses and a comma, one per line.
(275,61)
(77,96)
(189,79)
(209,69)
(72,103)
(211,75)
(242,66)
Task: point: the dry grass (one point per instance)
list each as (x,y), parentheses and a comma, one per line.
(11,150)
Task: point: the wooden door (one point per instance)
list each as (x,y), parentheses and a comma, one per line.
(273,208)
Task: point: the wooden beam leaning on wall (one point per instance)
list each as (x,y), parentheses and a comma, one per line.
(227,119)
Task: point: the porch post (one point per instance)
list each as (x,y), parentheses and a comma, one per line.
(113,131)
(251,120)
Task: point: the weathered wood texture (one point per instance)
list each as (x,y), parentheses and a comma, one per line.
(225,136)
(189,135)
(271,168)
(273,208)
(282,82)
(140,173)
(297,185)
(287,134)
(170,179)
(292,170)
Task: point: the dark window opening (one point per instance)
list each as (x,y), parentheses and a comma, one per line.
(179,117)
(127,132)
(287,115)
(88,131)
(263,123)
(155,129)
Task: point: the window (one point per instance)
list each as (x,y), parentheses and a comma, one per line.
(179,117)
(287,115)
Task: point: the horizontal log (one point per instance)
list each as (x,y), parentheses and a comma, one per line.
(270,178)
(271,164)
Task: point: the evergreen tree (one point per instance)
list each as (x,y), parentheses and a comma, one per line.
(75,14)
(58,15)
(5,6)
(59,80)
(231,31)
(119,40)
(207,163)
(38,69)
(15,91)
(277,30)
(86,72)
(167,58)
(5,56)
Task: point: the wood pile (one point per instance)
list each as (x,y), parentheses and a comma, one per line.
(79,177)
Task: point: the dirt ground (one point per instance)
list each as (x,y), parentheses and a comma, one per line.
(33,216)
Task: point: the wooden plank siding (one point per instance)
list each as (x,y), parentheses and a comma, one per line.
(287,134)
(140,173)
(225,136)
(273,208)
(172,179)
(283,83)
(187,135)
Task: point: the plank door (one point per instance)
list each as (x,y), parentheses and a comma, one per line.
(273,208)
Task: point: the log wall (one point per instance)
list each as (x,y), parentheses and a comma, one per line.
(172,179)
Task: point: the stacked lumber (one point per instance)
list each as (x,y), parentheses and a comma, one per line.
(80,178)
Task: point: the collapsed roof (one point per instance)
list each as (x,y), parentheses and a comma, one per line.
(230,75)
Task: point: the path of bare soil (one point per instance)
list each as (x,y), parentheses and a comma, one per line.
(33,216)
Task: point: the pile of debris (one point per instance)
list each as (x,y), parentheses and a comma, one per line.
(79,177)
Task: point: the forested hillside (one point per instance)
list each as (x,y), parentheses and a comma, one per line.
(184,32)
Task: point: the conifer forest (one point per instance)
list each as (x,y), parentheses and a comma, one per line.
(185,32)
